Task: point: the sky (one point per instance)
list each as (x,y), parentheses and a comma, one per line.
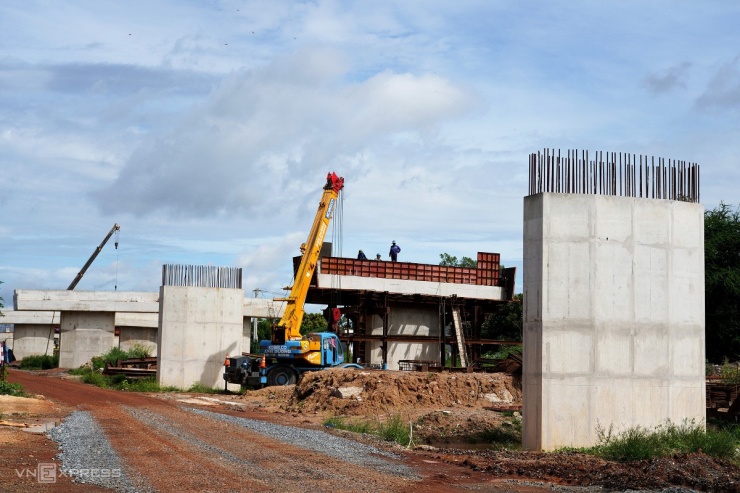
(205,129)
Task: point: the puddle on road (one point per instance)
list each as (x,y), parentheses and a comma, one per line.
(41,427)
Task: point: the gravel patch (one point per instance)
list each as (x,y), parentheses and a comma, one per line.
(322,442)
(87,456)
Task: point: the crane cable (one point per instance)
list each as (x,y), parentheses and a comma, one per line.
(118,231)
(336,238)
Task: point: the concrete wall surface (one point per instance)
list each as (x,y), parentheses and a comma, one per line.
(138,336)
(198,327)
(405,321)
(613,316)
(84,335)
(138,319)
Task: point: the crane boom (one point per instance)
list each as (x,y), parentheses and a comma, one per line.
(288,328)
(77,278)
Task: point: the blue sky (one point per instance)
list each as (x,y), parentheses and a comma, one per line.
(206,128)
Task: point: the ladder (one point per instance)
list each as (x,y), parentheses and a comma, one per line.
(460,336)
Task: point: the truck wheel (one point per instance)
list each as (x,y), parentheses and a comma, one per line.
(281,375)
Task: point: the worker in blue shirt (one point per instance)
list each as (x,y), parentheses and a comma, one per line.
(395,250)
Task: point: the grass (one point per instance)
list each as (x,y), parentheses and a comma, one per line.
(665,440)
(399,430)
(199,388)
(508,436)
(354,425)
(395,429)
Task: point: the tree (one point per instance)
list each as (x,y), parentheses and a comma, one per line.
(313,322)
(722,283)
(506,324)
(450,261)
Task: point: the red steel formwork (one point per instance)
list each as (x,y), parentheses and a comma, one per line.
(486,274)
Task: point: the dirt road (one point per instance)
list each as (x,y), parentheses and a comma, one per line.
(164,446)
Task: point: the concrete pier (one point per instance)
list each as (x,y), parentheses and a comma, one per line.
(198,328)
(33,332)
(613,316)
(84,335)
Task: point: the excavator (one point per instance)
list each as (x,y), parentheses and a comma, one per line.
(288,354)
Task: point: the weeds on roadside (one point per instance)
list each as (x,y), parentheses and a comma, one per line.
(398,429)
(39,362)
(395,429)
(12,389)
(641,443)
(199,388)
(120,382)
(353,425)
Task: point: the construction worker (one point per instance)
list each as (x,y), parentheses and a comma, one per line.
(395,250)
(361,255)
(377,256)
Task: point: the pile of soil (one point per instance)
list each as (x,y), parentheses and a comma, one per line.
(349,392)
(446,409)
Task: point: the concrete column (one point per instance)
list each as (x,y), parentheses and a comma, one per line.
(198,327)
(84,335)
(613,316)
(405,321)
(246,334)
(32,339)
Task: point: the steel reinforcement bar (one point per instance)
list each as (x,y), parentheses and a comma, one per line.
(613,173)
(202,276)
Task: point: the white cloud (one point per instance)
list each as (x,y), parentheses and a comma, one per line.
(265,136)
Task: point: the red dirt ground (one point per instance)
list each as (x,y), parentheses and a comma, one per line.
(446,409)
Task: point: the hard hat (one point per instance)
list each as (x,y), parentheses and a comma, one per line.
(394,242)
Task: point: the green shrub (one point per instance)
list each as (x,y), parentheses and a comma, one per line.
(730,373)
(139,351)
(39,362)
(94,377)
(111,357)
(117,379)
(13,389)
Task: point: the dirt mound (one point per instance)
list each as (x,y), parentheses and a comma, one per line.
(347,392)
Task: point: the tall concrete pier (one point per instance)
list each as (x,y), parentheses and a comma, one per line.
(201,321)
(613,316)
